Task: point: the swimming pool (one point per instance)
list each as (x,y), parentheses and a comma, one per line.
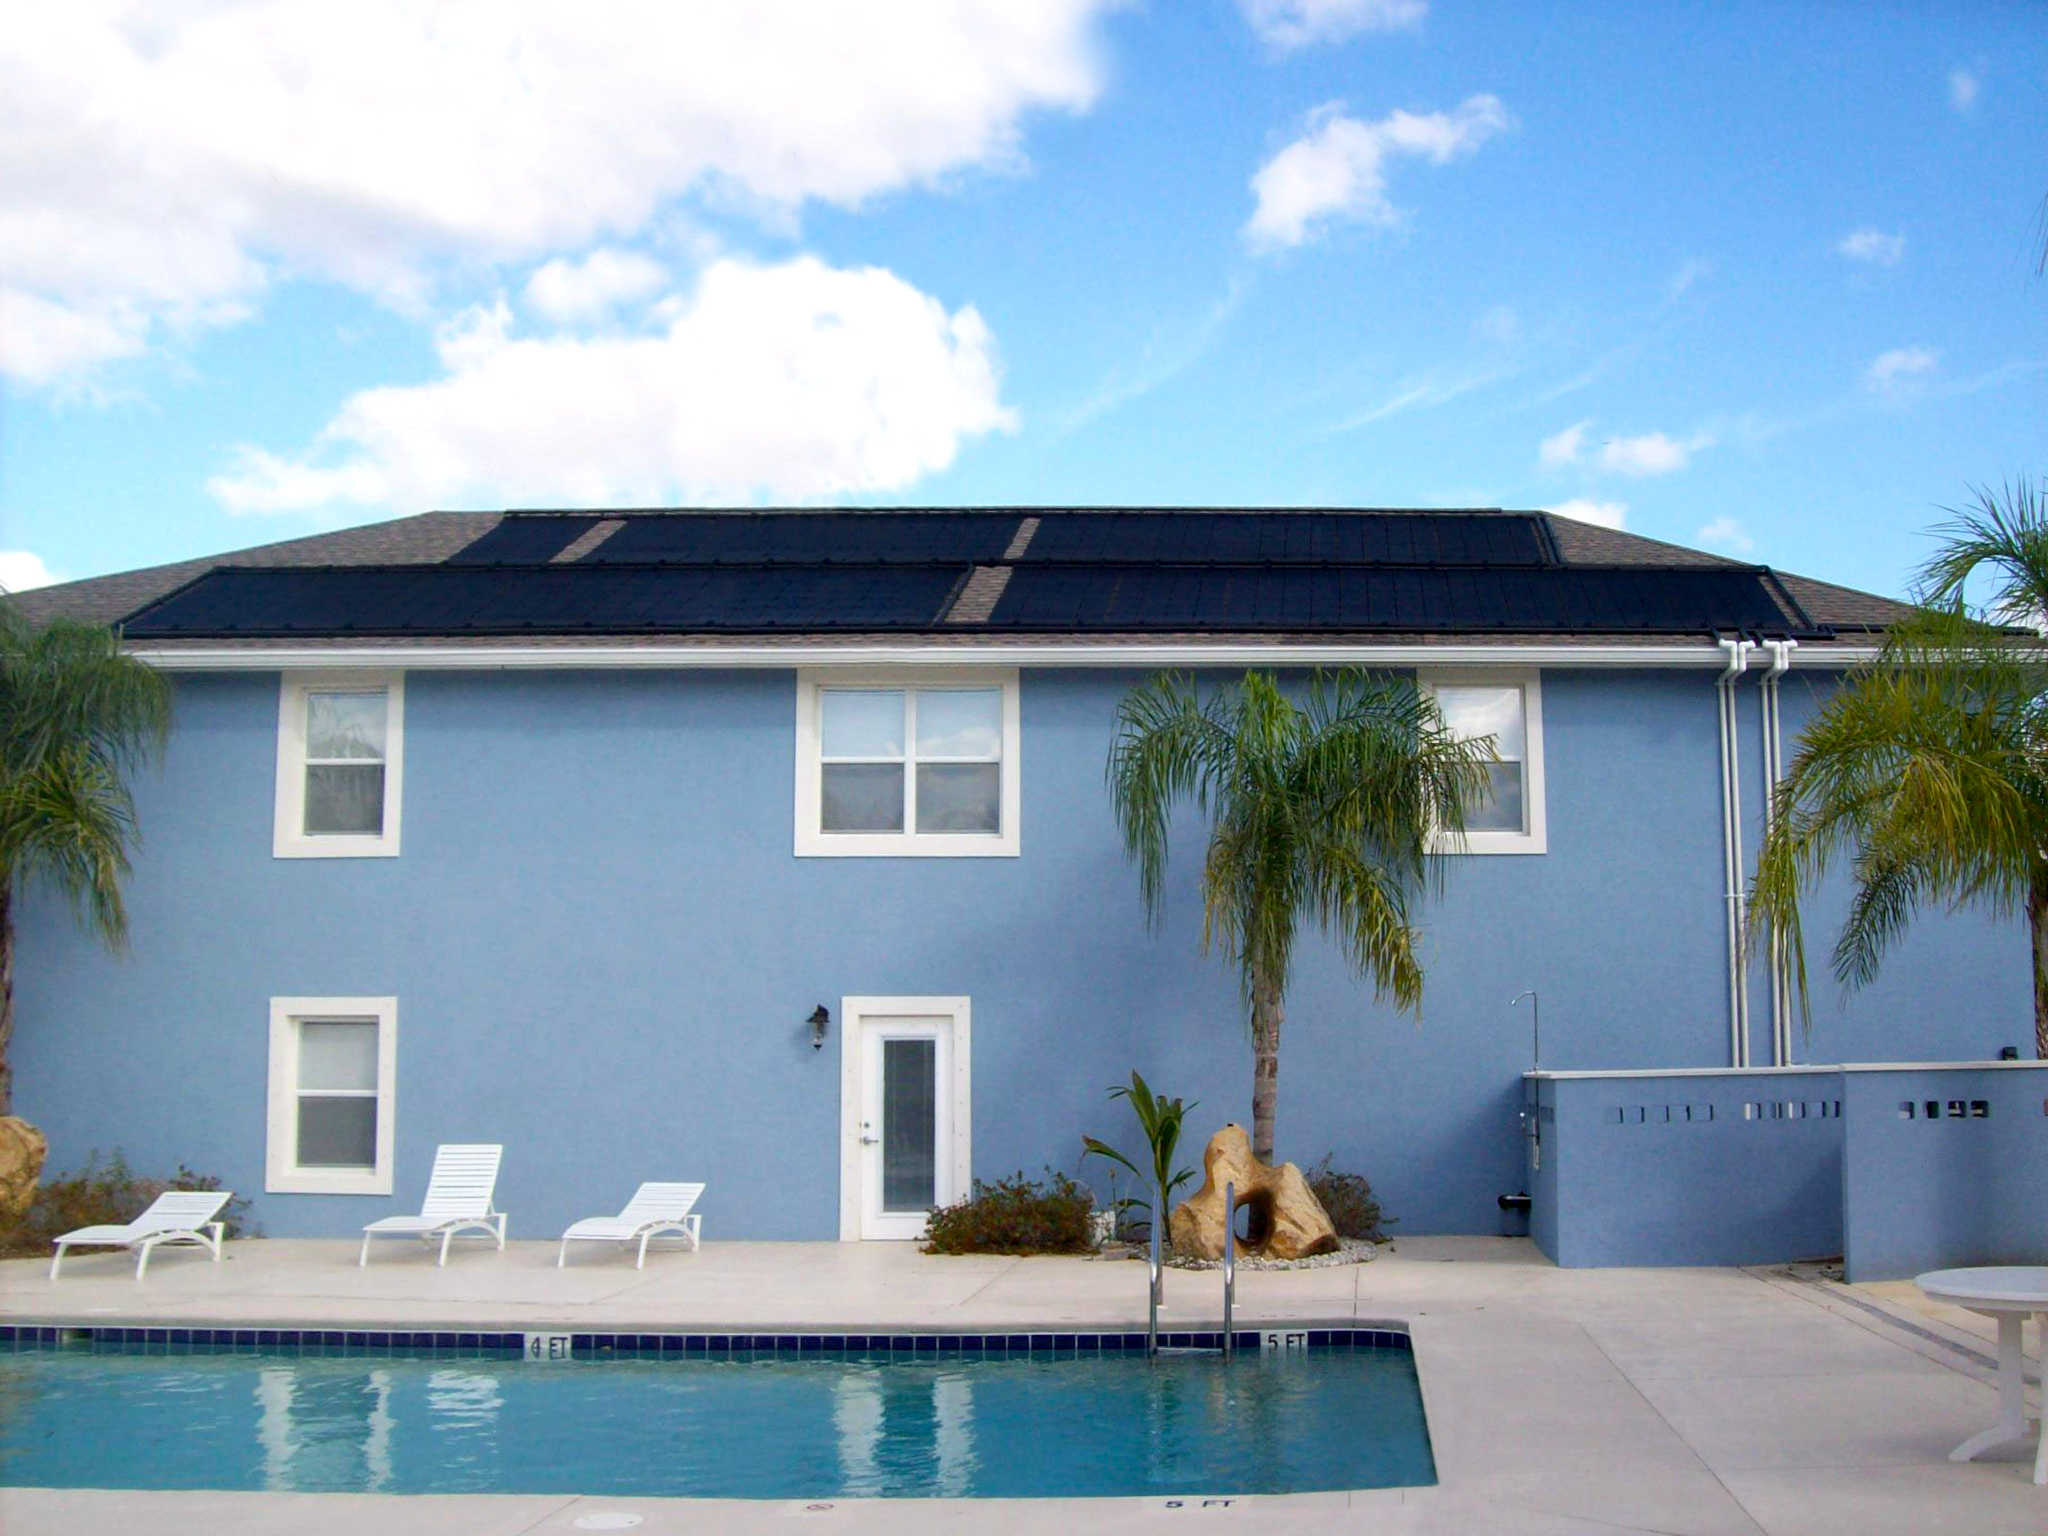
(864,1422)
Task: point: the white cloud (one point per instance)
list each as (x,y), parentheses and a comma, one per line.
(1653,453)
(1900,369)
(1500,325)
(20,570)
(1727,533)
(1872,245)
(1963,85)
(1337,168)
(1605,514)
(797,381)
(1297,23)
(580,292)
(167,160)
(1565,447)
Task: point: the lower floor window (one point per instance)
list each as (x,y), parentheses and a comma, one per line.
(332,1070)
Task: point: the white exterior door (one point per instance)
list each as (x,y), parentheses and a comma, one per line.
(904,1113)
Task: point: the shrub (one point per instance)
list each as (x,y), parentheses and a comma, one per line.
(106,1191)
(1349,1199)
(1016,1215)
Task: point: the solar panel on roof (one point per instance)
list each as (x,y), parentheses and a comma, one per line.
(1290,538)
(808,538)
(1533,600)
(547,599)
(524,541)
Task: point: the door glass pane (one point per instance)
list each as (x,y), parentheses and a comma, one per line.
(338,1055)
(345,724)
(959,797)
(910,1158)
(338,1133)
(1500,811)
(960,722)
(862,722)
(344,798)
(1495,712)
(861,797)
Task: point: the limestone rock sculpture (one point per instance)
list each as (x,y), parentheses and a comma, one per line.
(22,1150)
(1286,1219)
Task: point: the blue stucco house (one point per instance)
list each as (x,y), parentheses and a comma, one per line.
(772,849)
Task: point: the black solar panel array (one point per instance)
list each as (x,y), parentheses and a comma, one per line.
(1528,600)
(1082,572)
(1291,538)
(548,599)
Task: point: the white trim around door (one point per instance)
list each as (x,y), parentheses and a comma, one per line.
(875,1032)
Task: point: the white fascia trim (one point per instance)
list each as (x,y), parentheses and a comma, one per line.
(515,657)
(853,1012)
(281,1173)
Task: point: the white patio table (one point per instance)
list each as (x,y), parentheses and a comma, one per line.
(2007,1292)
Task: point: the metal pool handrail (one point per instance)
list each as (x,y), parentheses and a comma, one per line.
(1152,1306)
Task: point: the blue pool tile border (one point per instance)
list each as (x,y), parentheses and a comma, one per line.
(471,1343)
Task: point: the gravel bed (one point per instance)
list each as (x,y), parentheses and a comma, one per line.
(1353,1251)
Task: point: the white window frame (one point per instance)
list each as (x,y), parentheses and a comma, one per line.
(290,840)
(813,842)
(854,1012)
(282,1173)
(1534,836)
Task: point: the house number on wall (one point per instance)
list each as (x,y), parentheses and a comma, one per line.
(547,1346)
(1283,1339)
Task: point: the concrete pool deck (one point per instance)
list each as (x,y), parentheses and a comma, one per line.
(1706,1402)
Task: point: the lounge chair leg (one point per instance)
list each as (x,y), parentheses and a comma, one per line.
(219,1230)
(501,1231)
(562,1257)
(364,1257)
(142,1258)
(56,1259)
(445,1236)
(641,1262)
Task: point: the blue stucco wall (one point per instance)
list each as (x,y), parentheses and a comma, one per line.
(1694,1168)
(1951,1190)
(604,950)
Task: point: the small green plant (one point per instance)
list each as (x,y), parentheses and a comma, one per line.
(1015,1215)
(1160,1119)
(1353,1209)
(106,1191)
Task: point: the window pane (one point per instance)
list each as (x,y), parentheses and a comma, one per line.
(344,798)
(1495,712)
(337,1133)
(861,797)
(1501,811)
(340,1055)
(345,725)
(862,722)
(910,1161)
(960,722)
(959,797)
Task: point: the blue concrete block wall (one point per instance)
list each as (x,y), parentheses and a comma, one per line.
(1945,1169)
(1691,1168)
(604,950)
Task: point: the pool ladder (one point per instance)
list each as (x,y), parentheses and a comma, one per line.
(1229,1278)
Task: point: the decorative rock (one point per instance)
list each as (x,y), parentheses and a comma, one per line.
(1287,1220)
(22,1150)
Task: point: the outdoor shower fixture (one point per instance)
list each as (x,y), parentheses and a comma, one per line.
(1532,1123)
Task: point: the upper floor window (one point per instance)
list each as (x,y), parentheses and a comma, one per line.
(900,764)
(340,759)
(1507,706)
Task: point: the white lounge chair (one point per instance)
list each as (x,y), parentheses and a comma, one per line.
(654,1208)
(458,1200)
(176,1216)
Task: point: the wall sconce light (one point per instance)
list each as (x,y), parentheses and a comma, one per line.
(820,1021)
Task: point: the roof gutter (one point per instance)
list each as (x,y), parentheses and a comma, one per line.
(288,657)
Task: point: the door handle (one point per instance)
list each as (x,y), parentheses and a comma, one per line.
(869,1141)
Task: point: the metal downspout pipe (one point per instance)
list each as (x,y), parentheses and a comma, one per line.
(1774,770)
(1737,651)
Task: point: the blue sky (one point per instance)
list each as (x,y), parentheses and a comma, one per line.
(1759,279)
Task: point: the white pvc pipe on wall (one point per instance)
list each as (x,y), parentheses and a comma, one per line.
(1737,652)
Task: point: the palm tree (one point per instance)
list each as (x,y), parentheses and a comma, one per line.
(75,716)
(1929,766)
(1325,811)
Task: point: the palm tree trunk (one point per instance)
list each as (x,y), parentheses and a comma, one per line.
(1267,1012)
(2037,923)
(6,991)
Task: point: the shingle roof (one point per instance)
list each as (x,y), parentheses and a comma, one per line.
(1285,570)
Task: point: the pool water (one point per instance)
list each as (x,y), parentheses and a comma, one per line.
(831,1425)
